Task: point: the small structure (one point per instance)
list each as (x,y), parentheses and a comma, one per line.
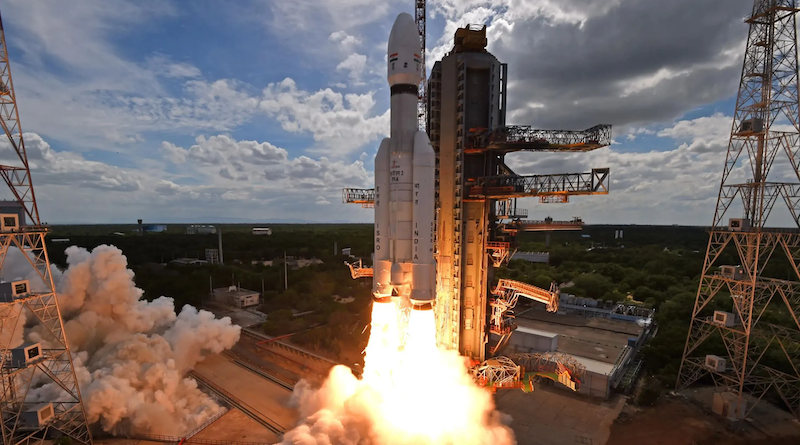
(14,290)
(727,404)
(25,355)
(201,229)
(212,256)
(236,296)
(343,300)
(532,257)
(297,263)
(153,228)
(13,207)
(35,417)
(262,262)
(60,240)
(262,231)
(188,261)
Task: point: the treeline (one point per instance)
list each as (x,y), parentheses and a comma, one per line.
(658,266)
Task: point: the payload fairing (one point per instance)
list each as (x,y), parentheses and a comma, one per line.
(404,184)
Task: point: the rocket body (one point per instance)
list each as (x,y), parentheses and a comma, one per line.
(404,183)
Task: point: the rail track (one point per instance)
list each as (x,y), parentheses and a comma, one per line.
(292,353)
(286,346)
(252,368)
(239,404)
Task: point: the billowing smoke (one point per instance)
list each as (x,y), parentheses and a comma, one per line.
(130,355)
(415,394)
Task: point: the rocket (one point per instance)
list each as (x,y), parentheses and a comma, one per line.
(404,184)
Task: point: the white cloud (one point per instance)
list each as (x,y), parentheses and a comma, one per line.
(72,169)
(223,160)
(355,64)
(657,187)
(322,201)
(339,121)
(161,65)
(703,134)
(344,39)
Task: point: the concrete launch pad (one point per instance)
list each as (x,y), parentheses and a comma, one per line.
(235,426)
(548,416)
(268,398)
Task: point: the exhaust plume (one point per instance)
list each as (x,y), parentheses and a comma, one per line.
(416,394)
(130,355)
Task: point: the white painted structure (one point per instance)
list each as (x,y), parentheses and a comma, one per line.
(236,296)
(404,183)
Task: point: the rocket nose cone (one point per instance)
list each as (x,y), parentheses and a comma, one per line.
(404,33)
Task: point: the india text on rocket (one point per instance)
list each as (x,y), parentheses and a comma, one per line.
(404,183)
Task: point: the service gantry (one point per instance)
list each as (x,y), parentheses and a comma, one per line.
(476,194)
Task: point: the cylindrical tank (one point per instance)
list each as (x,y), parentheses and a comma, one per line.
(381,272)
(424,167)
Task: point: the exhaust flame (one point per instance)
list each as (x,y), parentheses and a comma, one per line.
(411,393)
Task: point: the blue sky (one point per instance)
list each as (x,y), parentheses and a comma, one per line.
(264,110)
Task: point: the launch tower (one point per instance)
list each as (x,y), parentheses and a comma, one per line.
(730,340)
(24,417)
(477,217)
(476,192)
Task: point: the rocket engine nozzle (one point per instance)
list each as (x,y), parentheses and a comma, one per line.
(421,306)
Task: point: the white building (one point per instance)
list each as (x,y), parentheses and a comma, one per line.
(236,296)
(532,257)
(201,229)
(262,231)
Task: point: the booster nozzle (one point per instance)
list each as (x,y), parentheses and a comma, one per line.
(427,306)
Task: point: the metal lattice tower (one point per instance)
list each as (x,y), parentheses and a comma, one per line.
(730,344)
(422,105)
(25,368)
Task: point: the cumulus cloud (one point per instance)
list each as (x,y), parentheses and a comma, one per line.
(340,121)
(683,180)
(354,63)
(567,66)
(162,65)
(69,168)
(344,39)
(569,51)
(703,134)
(233,174)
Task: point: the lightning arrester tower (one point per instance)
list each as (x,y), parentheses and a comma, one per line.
(26,418)
(729,339)
(422,104)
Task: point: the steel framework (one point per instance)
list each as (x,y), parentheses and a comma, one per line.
(545,225)
(357,270)
(552,362)
(365,197)
(768,94)
(38,303)
(524,137)
(593,183)
(503,300)
(422,104)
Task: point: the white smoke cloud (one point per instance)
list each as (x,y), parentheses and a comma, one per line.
(130,355)
(417,395)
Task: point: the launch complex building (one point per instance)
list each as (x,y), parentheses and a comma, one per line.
(476,216)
